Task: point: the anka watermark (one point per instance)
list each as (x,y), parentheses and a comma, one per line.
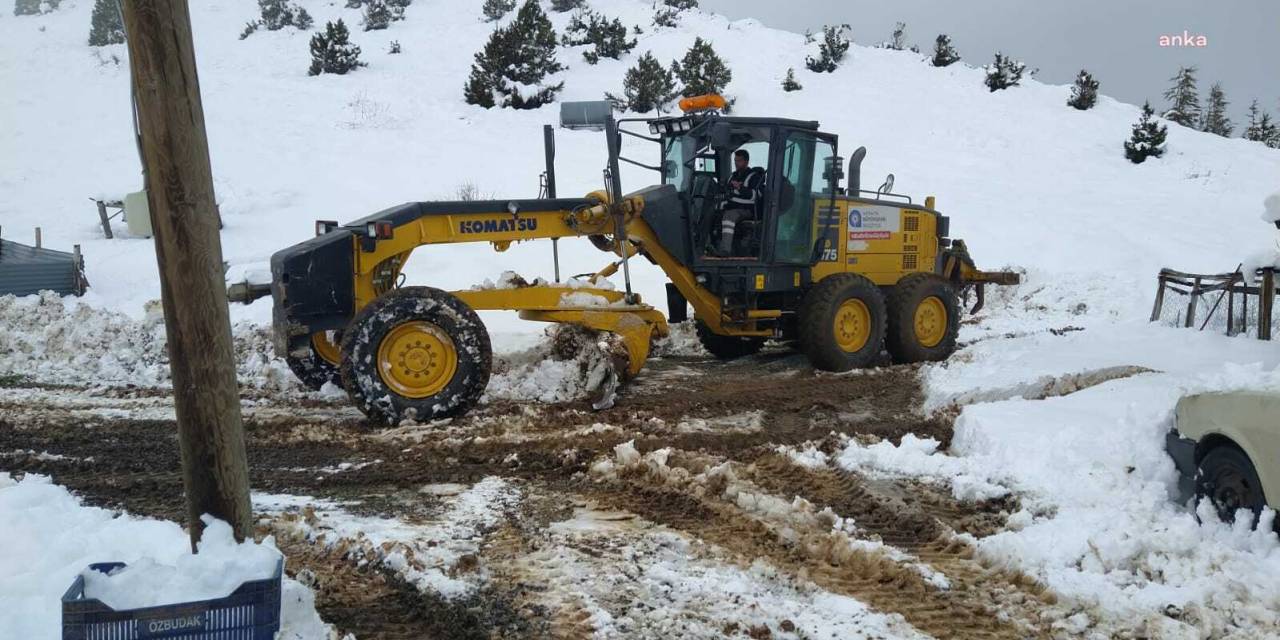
(1184,39)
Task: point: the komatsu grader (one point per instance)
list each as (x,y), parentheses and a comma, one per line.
(841,272)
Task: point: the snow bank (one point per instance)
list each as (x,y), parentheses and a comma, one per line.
(62,340)
(1098,524)
(49,537)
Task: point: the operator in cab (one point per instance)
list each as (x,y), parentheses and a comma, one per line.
(742,195)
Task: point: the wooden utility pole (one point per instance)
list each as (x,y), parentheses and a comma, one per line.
(184,223)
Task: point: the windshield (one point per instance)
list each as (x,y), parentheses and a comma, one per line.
(680,161)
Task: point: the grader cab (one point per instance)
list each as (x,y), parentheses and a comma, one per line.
(843,272)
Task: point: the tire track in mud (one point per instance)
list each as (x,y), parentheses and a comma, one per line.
(976,603)
(135,466)
(920,524)
(375,603)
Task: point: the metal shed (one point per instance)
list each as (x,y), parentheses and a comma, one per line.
(25,270)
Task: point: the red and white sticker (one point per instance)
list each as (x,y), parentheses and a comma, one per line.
(870,235)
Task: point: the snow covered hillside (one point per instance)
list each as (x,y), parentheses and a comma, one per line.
(1027,181)
(1052,477)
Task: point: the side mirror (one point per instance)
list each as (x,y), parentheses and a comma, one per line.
(721,137)
(887,186)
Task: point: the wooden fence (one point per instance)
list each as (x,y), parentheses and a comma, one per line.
(1228,286)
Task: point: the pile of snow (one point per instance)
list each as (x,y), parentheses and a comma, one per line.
(219,567)
(1269,256)
(50,538)
(571,364)
(1271,208)
(1098,523)
(62,340)
(513,280)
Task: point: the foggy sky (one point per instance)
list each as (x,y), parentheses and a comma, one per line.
(1116,40)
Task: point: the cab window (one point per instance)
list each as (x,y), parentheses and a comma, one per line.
(804,181)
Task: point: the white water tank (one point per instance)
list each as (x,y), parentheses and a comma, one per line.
(137,215)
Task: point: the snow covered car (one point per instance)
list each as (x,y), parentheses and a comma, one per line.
(1227,448)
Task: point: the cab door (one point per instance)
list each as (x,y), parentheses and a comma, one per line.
(803,184)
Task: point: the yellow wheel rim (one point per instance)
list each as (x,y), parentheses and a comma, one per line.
(852,325)
(930,321)
(417,359)
(324,346)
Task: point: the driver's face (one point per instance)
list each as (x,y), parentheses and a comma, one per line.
(739,163)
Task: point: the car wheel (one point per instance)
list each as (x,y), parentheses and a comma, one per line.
(1227,478)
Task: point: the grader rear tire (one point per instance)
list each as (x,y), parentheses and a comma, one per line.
(842,323)
(416,353)
(924,319)
(727,347)
(321,362)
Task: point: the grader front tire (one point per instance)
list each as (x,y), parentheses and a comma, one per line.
(320,364)
(416,353)
(842,323)
(924,319)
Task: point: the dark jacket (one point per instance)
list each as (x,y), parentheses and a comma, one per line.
(747,195)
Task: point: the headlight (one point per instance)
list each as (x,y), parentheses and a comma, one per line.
(653,128)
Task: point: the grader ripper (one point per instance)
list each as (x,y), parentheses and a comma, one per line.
(843,273)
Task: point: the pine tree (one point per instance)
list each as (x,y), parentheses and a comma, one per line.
(899,40)
(1148,137)
(832,49)
(562,6)
(332,51)
(701,71)
(681,5)
(789,83)
(666,17)
(26,7)
(1261,128)
(1215,117)
(1084,93)
(1184,98)
(105,25)
(648,86)
(608,38)
(276,15)
(493,10)
(511,69)
(1004,73)
(379,14)
(944,54)
(394,47)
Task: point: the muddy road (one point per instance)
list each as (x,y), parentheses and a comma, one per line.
(689,509)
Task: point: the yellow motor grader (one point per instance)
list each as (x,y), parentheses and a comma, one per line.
(844,272)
